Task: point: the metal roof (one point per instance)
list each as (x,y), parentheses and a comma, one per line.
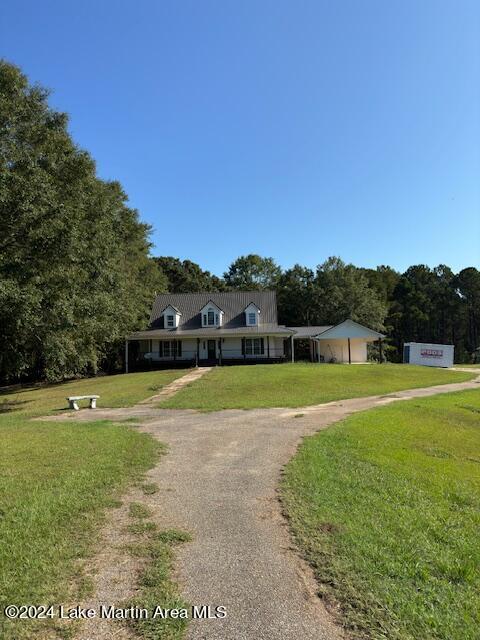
(349,329)
(233,303)
(206,332)
(308,332)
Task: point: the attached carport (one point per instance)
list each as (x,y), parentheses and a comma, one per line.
(306,333)
(349,339)
(344,342)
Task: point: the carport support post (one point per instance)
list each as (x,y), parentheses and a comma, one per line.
(126,356)
(293,348)
(349,352)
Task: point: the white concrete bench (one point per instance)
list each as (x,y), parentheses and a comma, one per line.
(73,401)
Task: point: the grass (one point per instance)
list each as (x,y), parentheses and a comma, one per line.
(156,587)
(56,479)
(122,390)
(138,510)
(386,507)
(297,385)
(149,488)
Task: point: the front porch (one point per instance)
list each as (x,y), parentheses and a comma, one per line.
(147,354)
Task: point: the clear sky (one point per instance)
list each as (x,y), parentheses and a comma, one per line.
(295,129)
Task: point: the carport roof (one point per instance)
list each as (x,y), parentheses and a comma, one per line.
(349,329)
(309,332)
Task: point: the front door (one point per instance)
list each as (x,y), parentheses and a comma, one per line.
(211,350)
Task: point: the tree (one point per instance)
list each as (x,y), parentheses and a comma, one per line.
(253,272)
(383,279)
(467,287)
(187,276)
(343,292)
(75,271)
(297,302)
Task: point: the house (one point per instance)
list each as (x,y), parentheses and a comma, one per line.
(236,327)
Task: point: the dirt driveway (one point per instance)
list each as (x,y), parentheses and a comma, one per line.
(219,482)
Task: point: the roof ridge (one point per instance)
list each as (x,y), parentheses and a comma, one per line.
(209,293)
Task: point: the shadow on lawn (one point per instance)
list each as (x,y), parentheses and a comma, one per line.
(6,406)
(19,388)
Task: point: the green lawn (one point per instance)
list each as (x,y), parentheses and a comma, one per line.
(56,479)
(297,385)
(386,507)
(122,390)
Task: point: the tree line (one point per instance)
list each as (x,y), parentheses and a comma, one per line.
(422,304)
(77,275)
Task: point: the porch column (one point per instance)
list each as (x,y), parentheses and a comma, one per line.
(126,356)
(380,350)
(293,348)
(349,352)
(318,350)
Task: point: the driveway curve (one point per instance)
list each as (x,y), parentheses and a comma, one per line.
(219,481)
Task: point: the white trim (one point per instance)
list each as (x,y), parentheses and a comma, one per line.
(252,309)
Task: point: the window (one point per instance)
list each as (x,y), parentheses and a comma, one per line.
(211,315)
(252,318)
(169,348)
(254,346)
(170,321)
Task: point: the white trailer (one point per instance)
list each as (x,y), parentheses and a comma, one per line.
(429,355)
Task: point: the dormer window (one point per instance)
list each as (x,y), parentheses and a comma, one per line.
(171,317)
(252,315)
(211,315)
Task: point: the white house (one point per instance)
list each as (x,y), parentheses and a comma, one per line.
(236,327)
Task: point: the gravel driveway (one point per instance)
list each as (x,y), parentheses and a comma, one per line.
(219,482)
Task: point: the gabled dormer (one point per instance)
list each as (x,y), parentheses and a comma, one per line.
(171,317)
(252,315)
(212,315)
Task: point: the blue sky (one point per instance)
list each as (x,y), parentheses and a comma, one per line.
(297,129)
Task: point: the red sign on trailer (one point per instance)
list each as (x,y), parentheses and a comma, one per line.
(432,353)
